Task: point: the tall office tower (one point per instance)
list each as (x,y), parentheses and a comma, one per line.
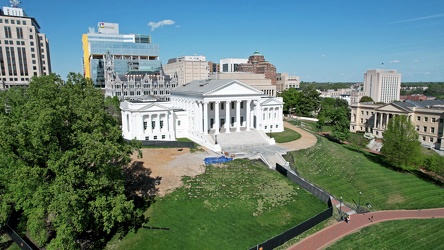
(382,85)
(257,64)
(188,68)
(24,51)
(132,53)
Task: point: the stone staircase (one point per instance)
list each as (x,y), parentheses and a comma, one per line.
(246,139)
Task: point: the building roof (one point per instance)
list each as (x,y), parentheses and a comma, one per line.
(420,104)
(206,87)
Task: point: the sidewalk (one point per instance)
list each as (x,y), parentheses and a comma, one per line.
(307,139)
(340,229)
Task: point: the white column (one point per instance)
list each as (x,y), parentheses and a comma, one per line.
(216,117)
(381,116)
(199,117)
(205,118)
(248,114)
(374,121)
(238,116)
(227,116)
(387,123)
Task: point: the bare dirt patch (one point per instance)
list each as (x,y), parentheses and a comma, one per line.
(171,164)
(395,198)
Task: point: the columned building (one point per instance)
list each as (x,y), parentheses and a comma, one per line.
(426,116)
(213,113)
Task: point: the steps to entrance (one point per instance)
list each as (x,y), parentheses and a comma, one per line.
(244,139)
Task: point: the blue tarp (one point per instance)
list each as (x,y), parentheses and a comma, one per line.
(214,160)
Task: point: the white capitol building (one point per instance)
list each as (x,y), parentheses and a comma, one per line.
(217,114)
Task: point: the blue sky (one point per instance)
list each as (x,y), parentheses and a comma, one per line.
(328,40)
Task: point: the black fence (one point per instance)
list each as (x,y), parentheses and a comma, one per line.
(22,242)
(321,194)
(169,144)
(304,226)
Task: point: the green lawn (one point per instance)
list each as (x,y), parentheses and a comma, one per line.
(235,206)
(286,136)
(344,171)
(402,234)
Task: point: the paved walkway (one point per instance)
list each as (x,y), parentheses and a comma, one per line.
(307,139)
(334,232)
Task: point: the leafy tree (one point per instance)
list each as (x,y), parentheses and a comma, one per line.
(401,146)
(290,97)
(61,163)
(341,124)
(335,112)
(309,101)
(366,99)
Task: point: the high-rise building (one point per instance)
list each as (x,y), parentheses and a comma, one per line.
(24,51)
(382,85)
(188,68)
(256,64)
(132,53)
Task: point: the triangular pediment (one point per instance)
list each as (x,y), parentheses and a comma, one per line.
(272,101)
(153,107)
(391,108)
(234,88)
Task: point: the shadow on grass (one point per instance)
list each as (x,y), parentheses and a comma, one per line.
(142,189)
(426,177)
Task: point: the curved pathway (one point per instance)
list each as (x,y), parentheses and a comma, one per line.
(307,139)
(335,232)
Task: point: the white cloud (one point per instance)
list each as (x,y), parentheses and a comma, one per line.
(155,25)
(322,55)
(395,61)
(420,18)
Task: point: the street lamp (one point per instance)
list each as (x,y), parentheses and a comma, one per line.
(340,207)
(359,201)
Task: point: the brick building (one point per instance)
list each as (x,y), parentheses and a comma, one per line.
(257,64)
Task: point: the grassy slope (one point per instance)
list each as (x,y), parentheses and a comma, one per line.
(234,207)
(343,171)
(403,234)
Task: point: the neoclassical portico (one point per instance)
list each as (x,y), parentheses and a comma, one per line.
(207,112)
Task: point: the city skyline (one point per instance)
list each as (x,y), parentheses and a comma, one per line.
(334,41)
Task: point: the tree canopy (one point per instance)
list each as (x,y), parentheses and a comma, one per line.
(401,146)
(62,163)
(335,112)
(305,102)
(366,99)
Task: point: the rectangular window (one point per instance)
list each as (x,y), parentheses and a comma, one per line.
(153,124)
(418,118)
(145,124)
(431,139)
(19,32)
(432,130)
(161,124)
(178,123)
(242,105)
(232,105)
(362,112)
(155,137)
(8,32)
(147,138)
(211,106)
(425,129)
(222,105)
(433,119)
(163,136)
(426,119)
(417,128)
